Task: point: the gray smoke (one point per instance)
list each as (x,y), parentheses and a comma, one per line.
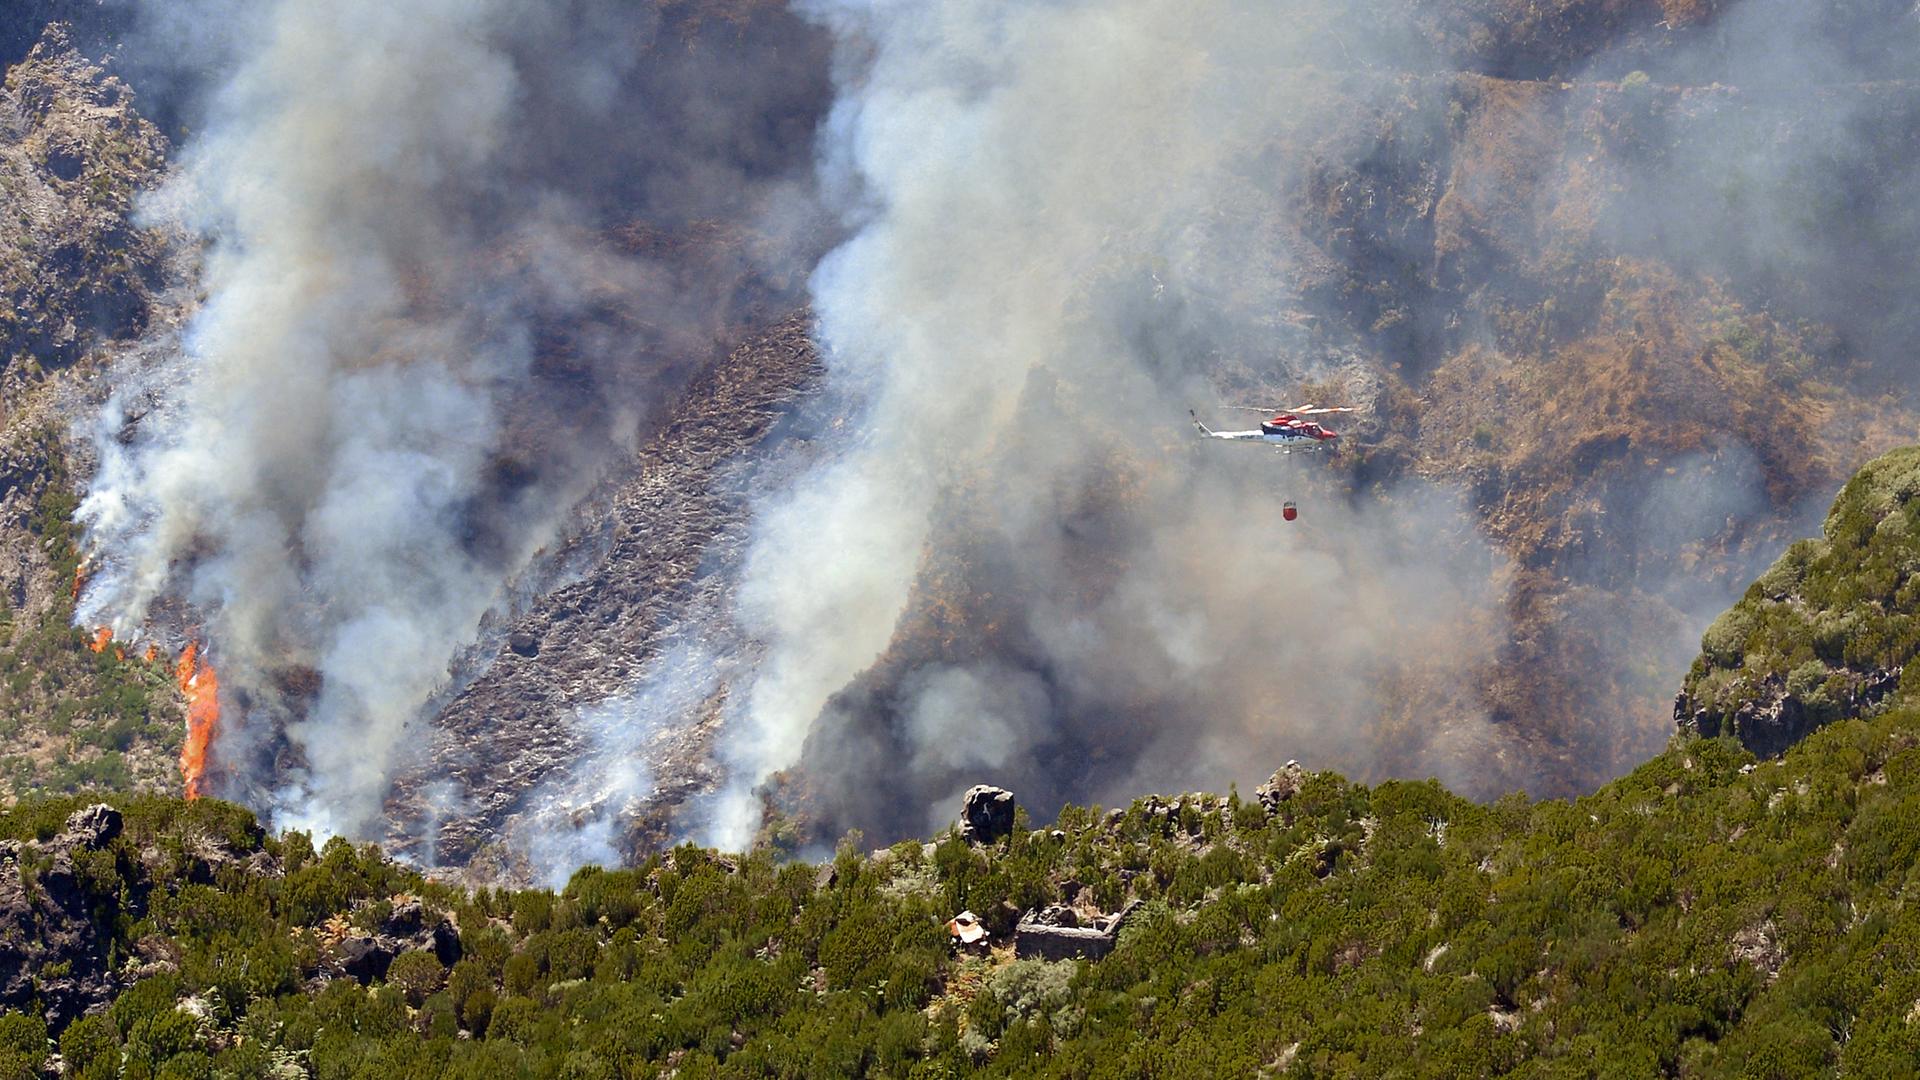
(422,340)
(1064,227)
(1076,219)
(1780,142)
(426,334)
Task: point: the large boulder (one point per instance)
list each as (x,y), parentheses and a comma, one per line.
(95,827)
(404,929)
(1280,787)
(986,814)
(367,958)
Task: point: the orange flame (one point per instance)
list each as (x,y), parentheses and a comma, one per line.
(101,639)
(202,689)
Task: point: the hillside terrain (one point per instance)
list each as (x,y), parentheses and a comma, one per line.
(1545,248)
(1701,917)
(78,282)
(1828,632)
(1620,288)
(1710,914)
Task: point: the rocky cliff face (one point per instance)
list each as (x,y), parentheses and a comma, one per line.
(1829,632)
(51,944)
(74,270)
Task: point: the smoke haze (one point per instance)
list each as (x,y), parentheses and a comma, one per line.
(1062,210)
(449,287)
(418,347)
(1076,219)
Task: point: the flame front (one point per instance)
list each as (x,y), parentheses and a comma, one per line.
(101,639)
(201,686)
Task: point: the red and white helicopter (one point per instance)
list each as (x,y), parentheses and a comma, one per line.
(1287,431)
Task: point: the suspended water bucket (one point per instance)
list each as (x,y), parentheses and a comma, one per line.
(1288,510)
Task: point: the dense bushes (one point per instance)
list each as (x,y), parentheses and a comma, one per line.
(1704,916)
(1830,616)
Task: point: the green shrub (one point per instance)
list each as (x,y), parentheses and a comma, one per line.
(416,975)
(90,1047)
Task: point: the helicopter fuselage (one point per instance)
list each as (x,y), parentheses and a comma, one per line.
(1285,432)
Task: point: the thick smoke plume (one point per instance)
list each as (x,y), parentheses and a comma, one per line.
(437,305)
(1065,228)
(459,256)
(1075,219)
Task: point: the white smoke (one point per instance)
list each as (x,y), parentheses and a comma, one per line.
(358,448)
(331,429)
(1058,208)
(576,818)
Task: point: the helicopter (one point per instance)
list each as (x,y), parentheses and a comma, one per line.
(1287,430)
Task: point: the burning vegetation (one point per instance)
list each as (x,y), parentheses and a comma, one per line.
(201,687)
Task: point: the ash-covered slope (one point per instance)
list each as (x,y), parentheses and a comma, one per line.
(438,312)
(513,761)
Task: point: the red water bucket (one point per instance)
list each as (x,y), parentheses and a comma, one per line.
(1288,511)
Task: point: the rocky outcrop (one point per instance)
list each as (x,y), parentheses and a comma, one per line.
(1773,718)
(986,814)
(1280,787)
(1055,933)
(53,943)
(74,270)
(1825,634)
(366,958)
(634,577)
(95,24)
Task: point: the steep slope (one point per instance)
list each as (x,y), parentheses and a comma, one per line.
(1641,416)
(1707,915)
(1510,249)
(78,281)
(1829,632)
(1703,916)
(649,572)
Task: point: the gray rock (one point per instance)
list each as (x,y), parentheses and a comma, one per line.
(1055,915)
(405,920)
(1280,787)
(92,828)
(366,958)
(444,940)
(986,814)
(1773,719)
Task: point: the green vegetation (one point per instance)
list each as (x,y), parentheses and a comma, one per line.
(72,718)
(1700,917)
(1709,915)
(1833,615)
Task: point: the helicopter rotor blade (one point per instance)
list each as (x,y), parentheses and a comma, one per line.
(1302,410)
